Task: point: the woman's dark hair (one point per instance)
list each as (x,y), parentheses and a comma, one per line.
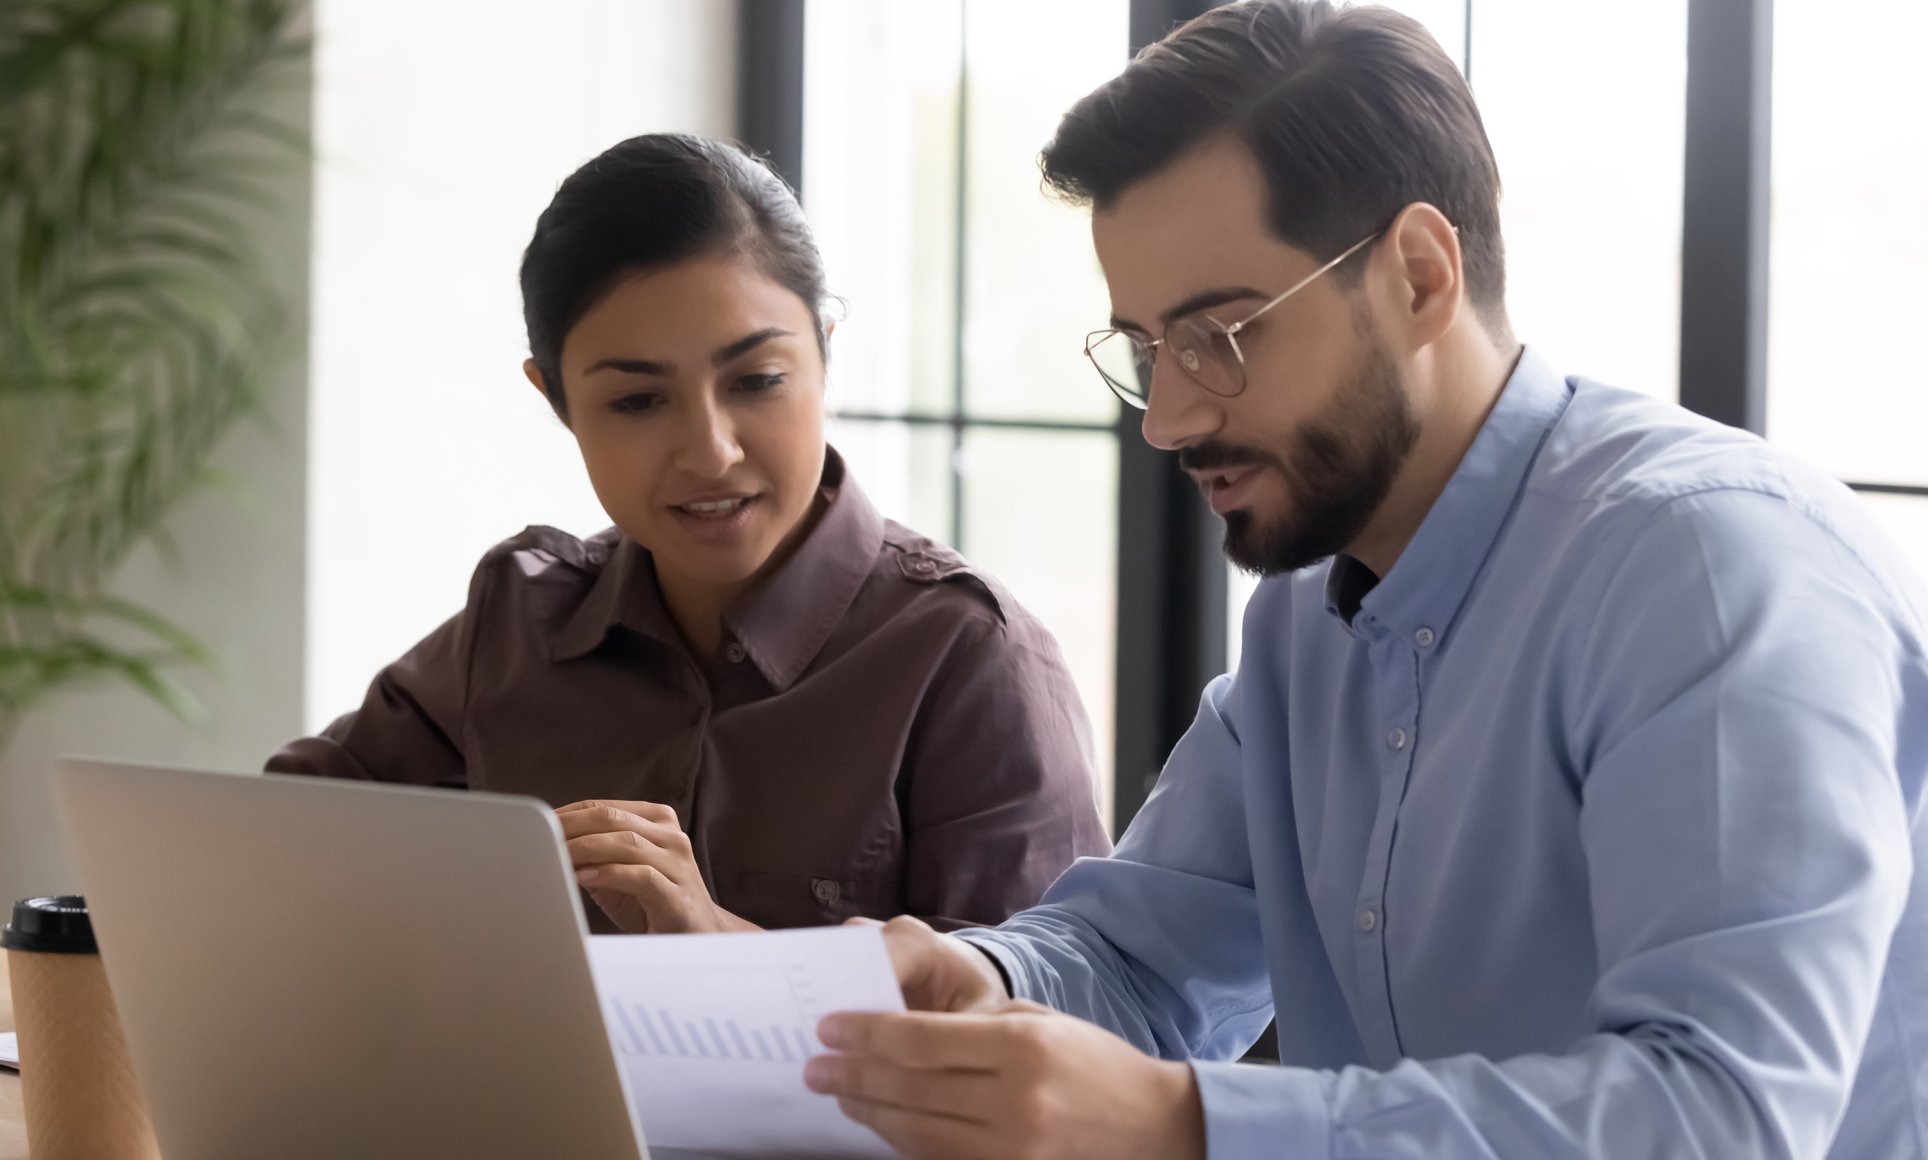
(1352,114)
(650,202)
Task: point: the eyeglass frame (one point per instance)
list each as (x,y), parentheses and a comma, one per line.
(1142,401)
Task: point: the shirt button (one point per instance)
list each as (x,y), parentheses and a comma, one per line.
(1424,638)
(1368,920)
(734,653)
(1396,738)
(826,891)
(924,565)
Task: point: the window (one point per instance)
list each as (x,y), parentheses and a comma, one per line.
(1849,253)
(1590,175)
(1590,172)
(433,159)
(961,399)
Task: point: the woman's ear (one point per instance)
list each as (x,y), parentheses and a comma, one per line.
(534,374)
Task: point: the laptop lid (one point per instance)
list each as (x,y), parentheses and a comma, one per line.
(316,969)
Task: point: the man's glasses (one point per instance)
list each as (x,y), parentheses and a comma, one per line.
(1207,350)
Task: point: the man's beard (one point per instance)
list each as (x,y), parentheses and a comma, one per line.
(1339,469)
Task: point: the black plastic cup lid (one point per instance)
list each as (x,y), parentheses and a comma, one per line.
(54,925)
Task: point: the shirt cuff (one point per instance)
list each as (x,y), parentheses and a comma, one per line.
(1253,1110)
(990,950)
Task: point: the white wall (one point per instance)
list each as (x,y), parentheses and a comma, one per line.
(444,127)
(408,441)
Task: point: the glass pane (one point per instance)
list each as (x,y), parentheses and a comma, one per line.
(905,469)
(1586,108)
(1032,283)
(1906,519)
(880,189)
(1849,242)
(1056,550)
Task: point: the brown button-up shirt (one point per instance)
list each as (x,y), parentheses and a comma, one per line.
(884,731)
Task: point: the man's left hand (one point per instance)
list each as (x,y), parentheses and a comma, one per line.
(1022,1081)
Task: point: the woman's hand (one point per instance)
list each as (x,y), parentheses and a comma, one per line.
(636,863)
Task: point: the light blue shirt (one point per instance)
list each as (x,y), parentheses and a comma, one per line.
(1596,833)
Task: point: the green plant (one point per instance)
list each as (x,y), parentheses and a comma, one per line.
(138,322)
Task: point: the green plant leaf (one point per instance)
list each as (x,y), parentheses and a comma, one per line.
(138,320)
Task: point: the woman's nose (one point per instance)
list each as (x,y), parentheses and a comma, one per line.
(709,445)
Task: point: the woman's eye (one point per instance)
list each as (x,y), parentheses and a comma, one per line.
(634,404)
(757,384)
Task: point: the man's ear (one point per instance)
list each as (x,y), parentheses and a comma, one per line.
(1429,276)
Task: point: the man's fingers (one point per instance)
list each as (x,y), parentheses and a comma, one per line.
(918,1134)
(964,1095)
(930,1039)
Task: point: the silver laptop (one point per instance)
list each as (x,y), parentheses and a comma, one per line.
(312,969)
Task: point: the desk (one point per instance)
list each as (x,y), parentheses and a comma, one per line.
(13,1120)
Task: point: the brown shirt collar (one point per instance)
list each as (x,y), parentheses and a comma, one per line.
(781,623)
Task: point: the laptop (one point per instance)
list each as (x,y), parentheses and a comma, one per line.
(313,970)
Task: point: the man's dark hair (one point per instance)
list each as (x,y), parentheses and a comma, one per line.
(651,202)
(1352,114)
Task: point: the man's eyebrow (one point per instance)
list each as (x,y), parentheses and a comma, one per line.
(1203,300)
(644,366)
(746,344)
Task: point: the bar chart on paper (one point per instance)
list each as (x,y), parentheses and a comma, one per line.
(711,1033)
(772,1018)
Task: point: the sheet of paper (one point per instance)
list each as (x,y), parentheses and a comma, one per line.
(712,1031)
(9,1050)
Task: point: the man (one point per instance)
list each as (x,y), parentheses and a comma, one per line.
(1572,809)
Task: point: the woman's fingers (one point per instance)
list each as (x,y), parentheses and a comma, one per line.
(628,848)
(606,814)
(587,823)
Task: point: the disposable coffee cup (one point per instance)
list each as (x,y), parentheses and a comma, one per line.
(76,1083)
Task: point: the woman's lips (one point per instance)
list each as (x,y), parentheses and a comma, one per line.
(717,520)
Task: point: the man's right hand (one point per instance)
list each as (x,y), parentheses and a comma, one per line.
(939,973)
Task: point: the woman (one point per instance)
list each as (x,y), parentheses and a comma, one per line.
(755,701)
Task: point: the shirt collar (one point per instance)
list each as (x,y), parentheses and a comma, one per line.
(1431,578)
(782,622)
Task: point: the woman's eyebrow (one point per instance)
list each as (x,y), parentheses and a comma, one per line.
(632,366)
(644,366)
(746,344)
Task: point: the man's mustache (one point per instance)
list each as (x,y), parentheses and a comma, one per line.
(1214,456)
